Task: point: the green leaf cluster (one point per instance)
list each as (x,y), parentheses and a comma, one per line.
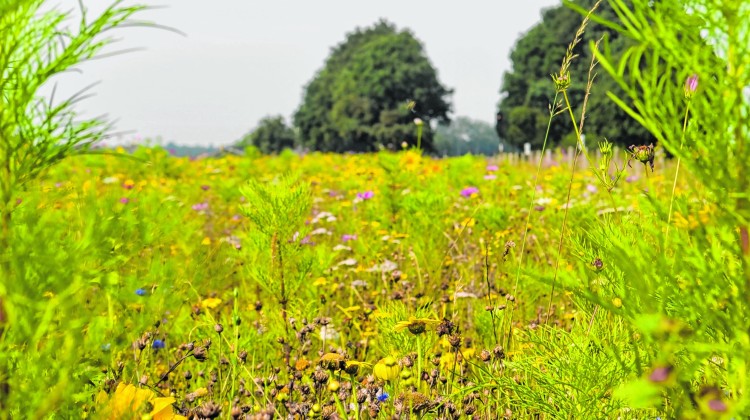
(527,93)
(271,136)
(359,101)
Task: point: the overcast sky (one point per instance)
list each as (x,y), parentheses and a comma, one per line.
(241,60)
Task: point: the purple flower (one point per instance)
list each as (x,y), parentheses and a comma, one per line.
(347,238)
(307,241)
(205,187)
(490,177)
(200,206)
(124,200)
(631,178)
(691,85)
(492,168)
(158,344)
(469,191)
(141,292)
(236,218)
(365,195)
(591,188)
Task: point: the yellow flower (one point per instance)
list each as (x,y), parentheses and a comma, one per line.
(130,402)
(415,326)
(320,281)
(210,303)
(386,369)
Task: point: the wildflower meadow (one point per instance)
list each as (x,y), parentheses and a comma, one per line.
(589,282)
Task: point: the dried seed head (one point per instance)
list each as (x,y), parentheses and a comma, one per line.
(455,341)
(361,395)
(407,361)
(200,354)
(210,410)
(499,352)
(320,376)
(445,327)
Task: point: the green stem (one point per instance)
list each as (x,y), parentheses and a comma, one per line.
(528,217)
(676,174)
(562,231)
(419,363)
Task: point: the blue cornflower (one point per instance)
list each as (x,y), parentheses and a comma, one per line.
(157,344)
(140,292)
(382,396)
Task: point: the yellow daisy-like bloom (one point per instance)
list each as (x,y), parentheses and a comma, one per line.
(130,402)
(415,326)
(387,369)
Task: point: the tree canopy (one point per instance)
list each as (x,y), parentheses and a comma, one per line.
(527,90)
(272,135)
(359,100)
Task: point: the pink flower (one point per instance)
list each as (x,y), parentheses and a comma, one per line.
(124,200)
(365,195)
(492,168)
(469,191)
(347,238)
(490,177)
(691,85)
(200,206)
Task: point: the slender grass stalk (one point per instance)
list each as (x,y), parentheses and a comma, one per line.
(676,175)
(578,127)
(486,275)
(552,113)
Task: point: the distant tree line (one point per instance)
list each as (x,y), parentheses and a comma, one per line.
(376,82)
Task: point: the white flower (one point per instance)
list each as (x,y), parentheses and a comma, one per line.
(328,333)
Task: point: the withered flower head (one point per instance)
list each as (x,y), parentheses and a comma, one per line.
(445,327)
(643,154)
(200,354)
